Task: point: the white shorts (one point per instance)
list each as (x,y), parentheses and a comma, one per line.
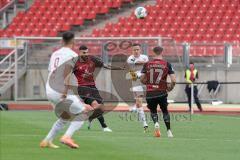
(137,88)
(55,97)
(138,91)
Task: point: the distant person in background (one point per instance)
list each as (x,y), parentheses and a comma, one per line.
(191,75)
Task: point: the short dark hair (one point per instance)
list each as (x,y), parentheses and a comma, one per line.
(158,50)
(67,37)
(136,44)
(191,62)
(83,47)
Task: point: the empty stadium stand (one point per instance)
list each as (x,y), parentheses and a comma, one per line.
(184,20)
(208,21)
(48,17)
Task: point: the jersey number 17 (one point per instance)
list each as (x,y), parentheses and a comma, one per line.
(155,75)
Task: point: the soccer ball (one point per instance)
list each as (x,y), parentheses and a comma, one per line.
(140,12)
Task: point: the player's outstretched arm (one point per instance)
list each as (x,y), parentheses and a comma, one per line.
(106,66)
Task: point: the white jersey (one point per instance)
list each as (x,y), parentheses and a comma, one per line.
(59,59)
(133,60)
(137,85)
(55,83)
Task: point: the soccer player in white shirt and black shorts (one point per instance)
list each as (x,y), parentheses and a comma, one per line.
(136,62)
(60,69)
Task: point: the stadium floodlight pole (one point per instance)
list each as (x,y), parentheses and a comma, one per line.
(192,94)
(16,71)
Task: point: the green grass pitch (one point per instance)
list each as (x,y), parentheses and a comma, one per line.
(203,137)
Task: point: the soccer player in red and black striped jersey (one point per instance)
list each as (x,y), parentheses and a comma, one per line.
(155,73)
(87,90)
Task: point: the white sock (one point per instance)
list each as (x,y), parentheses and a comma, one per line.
(57,126)
(74,126)
(142,116)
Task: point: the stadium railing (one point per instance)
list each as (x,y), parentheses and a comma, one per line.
(108,47)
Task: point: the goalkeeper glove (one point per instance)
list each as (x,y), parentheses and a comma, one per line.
(133,75)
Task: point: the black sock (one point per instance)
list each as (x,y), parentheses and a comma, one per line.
(166,119)
(199,106)
(102,121)
(96,113)
(154,117)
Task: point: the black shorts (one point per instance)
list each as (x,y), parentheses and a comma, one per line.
(89,94)
(157,98)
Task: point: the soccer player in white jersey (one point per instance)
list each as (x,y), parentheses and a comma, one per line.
(136,62)
(57,89)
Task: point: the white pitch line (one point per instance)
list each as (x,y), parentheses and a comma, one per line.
(127,137)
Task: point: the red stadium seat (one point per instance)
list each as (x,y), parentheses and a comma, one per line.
(91,15)
(65,27)
(104,10)
(116,4)
(52,12)
(184,20)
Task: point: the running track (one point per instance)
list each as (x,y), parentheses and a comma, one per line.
(208,109)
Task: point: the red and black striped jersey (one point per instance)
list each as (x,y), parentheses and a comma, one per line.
(156,72)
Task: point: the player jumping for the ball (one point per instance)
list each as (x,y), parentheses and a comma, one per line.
(135,62)
(155,73)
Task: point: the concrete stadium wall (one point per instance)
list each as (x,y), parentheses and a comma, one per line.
(32,85)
